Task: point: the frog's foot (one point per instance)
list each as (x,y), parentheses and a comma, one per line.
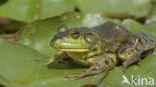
(59,58)
(83,75)
(50,61)
(104,64)
(138,55)
(132,57)
(78,76)
(128,62)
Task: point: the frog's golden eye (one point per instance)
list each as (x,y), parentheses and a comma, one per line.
(62,28)
(75,34)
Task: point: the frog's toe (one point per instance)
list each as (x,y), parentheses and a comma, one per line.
(124,67)
(128,63)
(138,56)
(139,59)
(49,61)
(76,77)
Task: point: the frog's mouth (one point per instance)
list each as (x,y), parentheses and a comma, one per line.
(75,50)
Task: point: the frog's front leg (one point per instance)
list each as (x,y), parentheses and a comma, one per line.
(103,64)
(61,57)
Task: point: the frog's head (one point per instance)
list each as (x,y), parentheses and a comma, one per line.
(74,39)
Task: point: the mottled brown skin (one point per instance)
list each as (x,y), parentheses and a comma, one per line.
(101,47)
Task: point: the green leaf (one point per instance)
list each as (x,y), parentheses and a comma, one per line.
(11,26)
(54,76)
(136,8)
(134,26)
(22,66)
(5,83)
(152,28)
(152,15)
(30,10)
(144,69)
(17,61)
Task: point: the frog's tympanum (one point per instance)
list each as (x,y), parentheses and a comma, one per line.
(101,47)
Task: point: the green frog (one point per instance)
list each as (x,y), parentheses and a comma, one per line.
(101,47)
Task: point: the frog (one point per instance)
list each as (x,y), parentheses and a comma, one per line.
(101,47)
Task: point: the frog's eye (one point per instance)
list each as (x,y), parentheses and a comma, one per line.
(62,28)
(90,38)
(75,34)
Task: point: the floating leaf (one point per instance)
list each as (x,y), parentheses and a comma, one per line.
(117,8)
(152,16)
(30,10)
(22,66)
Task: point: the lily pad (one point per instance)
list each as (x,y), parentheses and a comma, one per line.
(144,69)
(22,66)
(17,61)
(10,26)
(152,27)
(152,15)
(30,10)
(4,82)
(122,8)
(54,76)
(134,26)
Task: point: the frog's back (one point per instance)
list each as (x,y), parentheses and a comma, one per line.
(111,36)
